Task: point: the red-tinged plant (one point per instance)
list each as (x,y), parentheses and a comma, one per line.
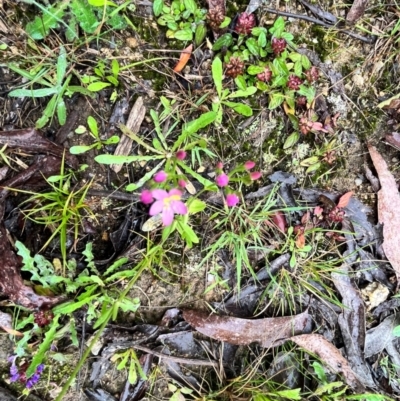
(245,23)
(279,220)
(184,58)
(278,45)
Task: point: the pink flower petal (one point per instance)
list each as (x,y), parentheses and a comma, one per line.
(167,217)
(182,183)
(180,154)
(222,180)
(161,176)
(175,191)
(255,175)
(249,165)
(179,207)
(146,197)
(159,194)
(156,208)
(232,200)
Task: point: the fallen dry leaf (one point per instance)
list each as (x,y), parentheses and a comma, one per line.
(344,199)
(318,345)
(185,56)
(388,210)
(393,139)
(267,332)
(357,10)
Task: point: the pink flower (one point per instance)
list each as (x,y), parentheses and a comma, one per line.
(182,183)
(146,197)
(180,154)
(161,176)
(167,203)
(255,175)
(232,200)
(222,180)
(249,165)
(219,166)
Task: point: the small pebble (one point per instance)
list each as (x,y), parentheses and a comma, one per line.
(395,160)
(358,181)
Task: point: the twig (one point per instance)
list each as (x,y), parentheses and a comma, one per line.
(319,22)
(113,195)
(188,361)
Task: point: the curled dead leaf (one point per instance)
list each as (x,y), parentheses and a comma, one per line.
(185,56)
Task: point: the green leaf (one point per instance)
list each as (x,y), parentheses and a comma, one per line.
(119,159)
(118,263)
(183,34)
(111,141)
(40,27)
(262,40)
(396,331)
(313,167)
(61,65)
(308,92)
(216,69)
(204,181)
(92,124)
(252,45)
(291,140)
(309,161)
(195,206)
(298,68)
(61,112)
(241,82)
(280,66)
(79,149)
(44,347)
(145,178)
(98,86)
(305,62)
(225,40)
(251,90)
(192,127)
(190,5)
(33,92)
(225,22)
(115,67)
(240,108)
(276,99)
(47,113)
(290,394)
(158,7)
(85,16)
(278,27)
(255,69)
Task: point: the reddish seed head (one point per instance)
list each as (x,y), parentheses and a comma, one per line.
(294,82)
(255,175)
(249,165)
(265,76)
(245,23)
(312,74)
(278,45)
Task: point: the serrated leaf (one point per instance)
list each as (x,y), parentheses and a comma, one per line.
(224,40)
(85,16)
(183,34)
(291,140)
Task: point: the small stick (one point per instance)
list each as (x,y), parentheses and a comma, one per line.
(319,22)
(188,361)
